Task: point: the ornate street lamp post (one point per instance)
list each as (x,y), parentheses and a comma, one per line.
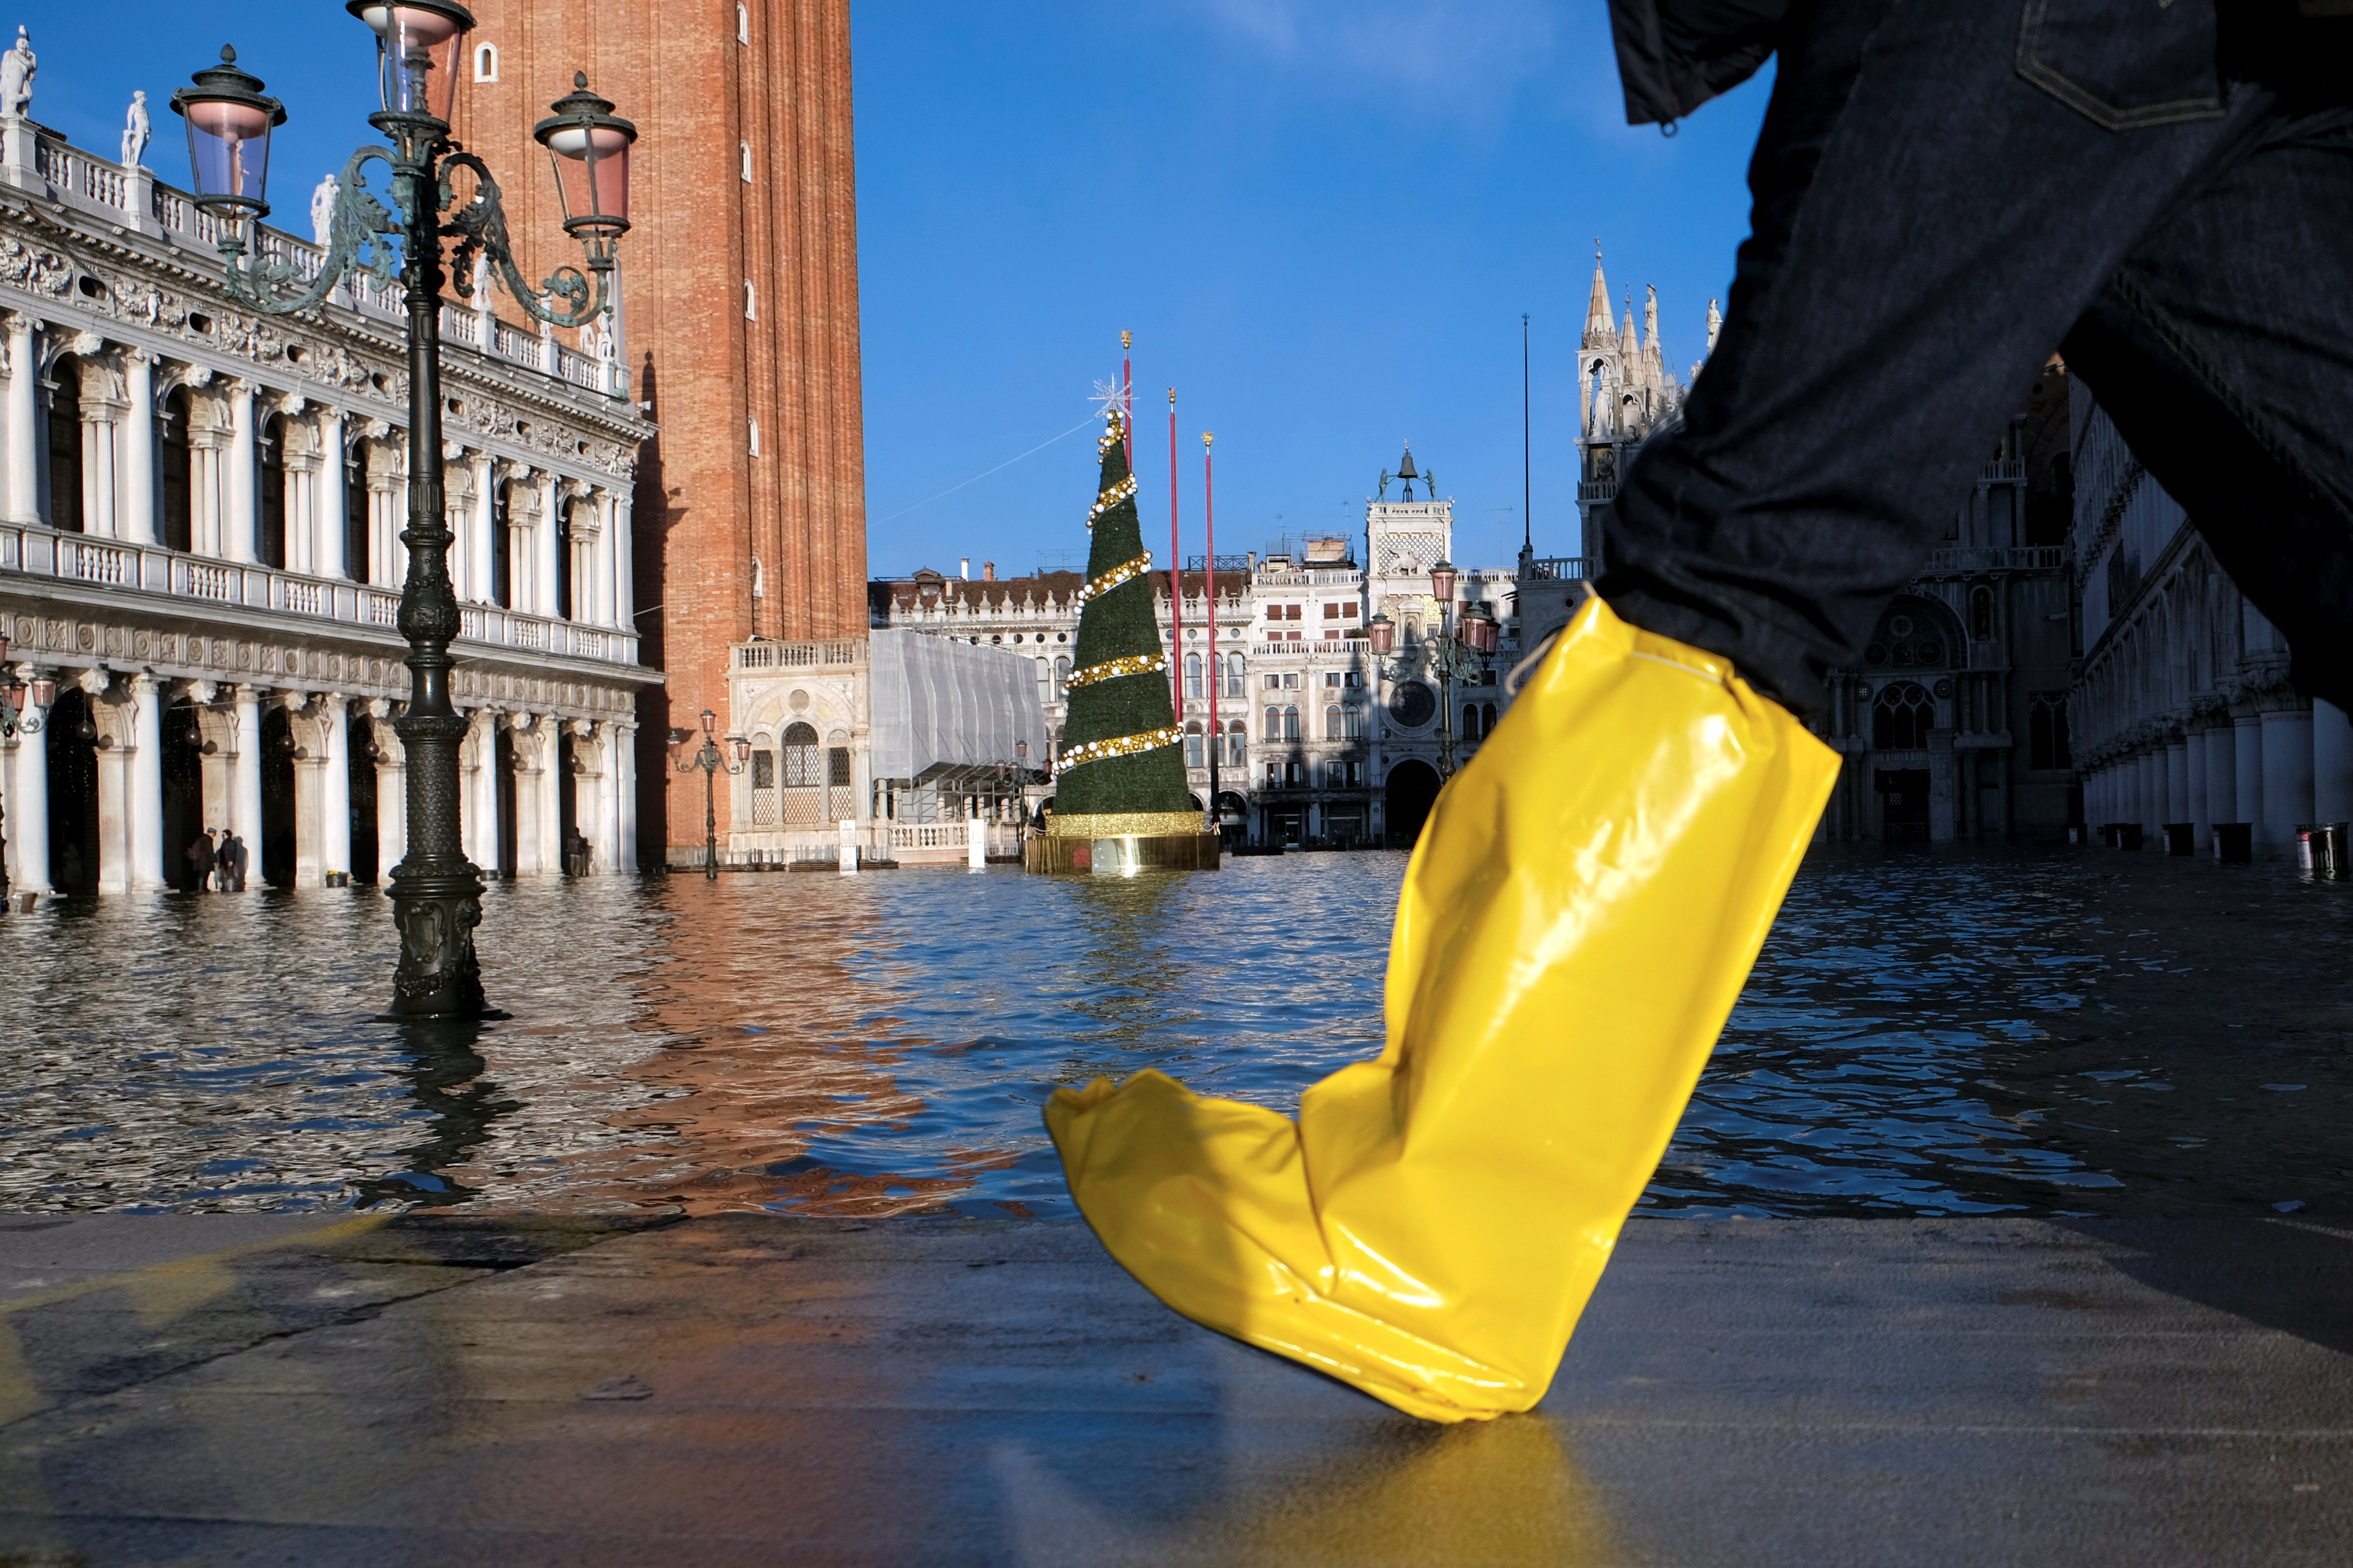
(712,761)
(1456,649)
(420,44)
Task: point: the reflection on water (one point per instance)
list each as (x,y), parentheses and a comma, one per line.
(1926,1033)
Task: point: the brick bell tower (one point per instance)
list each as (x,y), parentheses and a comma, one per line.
(738,324)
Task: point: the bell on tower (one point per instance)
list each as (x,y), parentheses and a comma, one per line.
(1406,470)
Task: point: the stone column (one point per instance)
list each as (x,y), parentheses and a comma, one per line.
(240,523)
(2222,771)
(335,788)
(244,780)
(148,873)
(480,790)
(309,790)
(2287,772)
(529,731)
(624,559)
(137,521)
(548,547)
(482,532)
(623,770)
(330,552)
(2198,813)
(391,791)
(23,411)
(2176,779)
(549,810)
(2332,763)
(2247,744)
(115,848)
(28,823)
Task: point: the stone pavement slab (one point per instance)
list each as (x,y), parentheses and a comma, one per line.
(752,1390)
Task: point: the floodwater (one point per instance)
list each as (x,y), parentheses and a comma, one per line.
(1929,1031)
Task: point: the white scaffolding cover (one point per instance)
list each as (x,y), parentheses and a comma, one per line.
(938,701)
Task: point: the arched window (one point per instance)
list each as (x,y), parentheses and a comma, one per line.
(1061,675)
(1236,677)
(1487,719)
(64,387)
(743,151)
(1291,723)
(1469,720)
(1193,757)
(172,471)
(1274,723)
(486,62)
(1332,722)
(269,492)
(1192,675)
(752,436)
(1902,717)
(742,24)
(751,301)
(1981,612)
(1237,745)
(801,757)
(763,781)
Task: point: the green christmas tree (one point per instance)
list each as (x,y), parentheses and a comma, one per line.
(1119,751)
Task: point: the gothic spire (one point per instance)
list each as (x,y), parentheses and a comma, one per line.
(1599,333)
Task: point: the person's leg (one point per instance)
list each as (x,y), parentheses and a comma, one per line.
(2224,351)
(1927,224)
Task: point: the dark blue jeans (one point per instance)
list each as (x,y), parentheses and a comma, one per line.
(1947,191)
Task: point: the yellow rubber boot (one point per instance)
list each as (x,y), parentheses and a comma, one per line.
(1577,921)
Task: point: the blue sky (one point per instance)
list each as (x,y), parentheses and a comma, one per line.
(1322,219)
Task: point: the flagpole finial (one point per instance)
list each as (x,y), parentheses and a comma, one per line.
(1126,341)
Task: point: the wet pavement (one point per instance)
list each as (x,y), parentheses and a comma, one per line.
(753,1390)
(1929,1032)
(2010,1225)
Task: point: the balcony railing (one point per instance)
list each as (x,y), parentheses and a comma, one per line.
(799,655)
(147,569)
(1562,569)
(1597,491)
(105,189)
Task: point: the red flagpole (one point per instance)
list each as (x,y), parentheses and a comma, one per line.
(1209,586)
(1175,575)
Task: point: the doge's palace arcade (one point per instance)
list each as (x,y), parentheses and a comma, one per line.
(199,520)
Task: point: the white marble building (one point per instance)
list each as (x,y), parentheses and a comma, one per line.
(2182,709)
(198,511)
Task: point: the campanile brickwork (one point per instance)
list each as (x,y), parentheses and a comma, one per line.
(740,317)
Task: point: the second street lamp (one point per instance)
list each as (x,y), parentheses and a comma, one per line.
(436,890)
(712,761)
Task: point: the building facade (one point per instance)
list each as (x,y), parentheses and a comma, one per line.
(1315,742)
(741,325)
(1955,726)
(199,511)
(2182,708)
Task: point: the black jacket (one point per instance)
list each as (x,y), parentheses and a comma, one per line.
(1675,55)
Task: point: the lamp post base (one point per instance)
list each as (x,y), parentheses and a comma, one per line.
(438,976)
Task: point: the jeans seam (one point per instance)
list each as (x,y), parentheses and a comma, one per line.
(2174,337)
(2083,101)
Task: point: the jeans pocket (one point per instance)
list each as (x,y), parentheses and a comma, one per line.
(2124,64)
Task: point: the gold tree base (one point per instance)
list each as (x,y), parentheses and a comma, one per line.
(1121,854)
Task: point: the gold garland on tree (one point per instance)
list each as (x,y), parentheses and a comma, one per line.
(1112,670)
(1112,579)
(1118,746)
